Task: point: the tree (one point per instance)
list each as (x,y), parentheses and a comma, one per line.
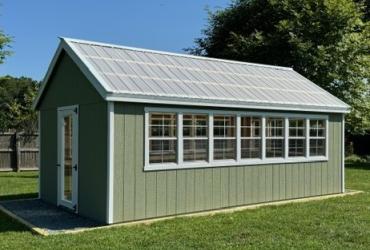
(4,46)
(327,41)
(16,97)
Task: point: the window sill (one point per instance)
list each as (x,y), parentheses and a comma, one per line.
(227,163)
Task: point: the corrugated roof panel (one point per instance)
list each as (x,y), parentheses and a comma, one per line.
(151,73)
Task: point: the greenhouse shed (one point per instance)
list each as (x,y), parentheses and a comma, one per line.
(130,134)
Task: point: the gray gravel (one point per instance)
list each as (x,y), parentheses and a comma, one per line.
(47,217)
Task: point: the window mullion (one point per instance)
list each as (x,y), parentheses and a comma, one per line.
(326,138)
(238,141)
(210,135)
(307,138)
(286,137)
(263,135)
(180,144)
(146,139)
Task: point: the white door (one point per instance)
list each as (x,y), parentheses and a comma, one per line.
(68,157)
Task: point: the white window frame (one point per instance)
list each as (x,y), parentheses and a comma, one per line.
(238,161)
(303,137)
(239,128)
(190,138)
(325,137)
(227,137)
(283,137)
(169,138)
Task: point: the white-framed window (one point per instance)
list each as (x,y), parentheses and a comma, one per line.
(197,138)
(224,137)
(251,137)
(275,137)
(162,138)
(317,137)
(297,137)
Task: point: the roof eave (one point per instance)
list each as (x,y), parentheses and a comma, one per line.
(136,98)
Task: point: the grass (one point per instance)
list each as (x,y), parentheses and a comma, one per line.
(335,223)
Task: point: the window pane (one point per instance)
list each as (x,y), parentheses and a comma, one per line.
(296,147)
(296,127)
(317,128)
(224,149)
(274,127)
(274,148)
(195,150)
(161,151)
(251,148)
(250,126)
(317,138)
(317,147)
(223,126)
(195,125)
(162,125)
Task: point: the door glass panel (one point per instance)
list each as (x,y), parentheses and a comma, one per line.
(68,158)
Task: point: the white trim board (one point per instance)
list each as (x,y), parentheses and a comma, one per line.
(110,162)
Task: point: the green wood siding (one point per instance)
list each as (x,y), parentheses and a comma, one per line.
(68,86)
(141,195)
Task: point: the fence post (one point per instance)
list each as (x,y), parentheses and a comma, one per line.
(18,150)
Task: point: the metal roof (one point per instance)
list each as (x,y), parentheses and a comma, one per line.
(137,75)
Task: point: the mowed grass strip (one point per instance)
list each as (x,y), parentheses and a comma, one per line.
(334,223)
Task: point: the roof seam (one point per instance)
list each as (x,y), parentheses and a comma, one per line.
(178,54)
(210,83)
(189,68)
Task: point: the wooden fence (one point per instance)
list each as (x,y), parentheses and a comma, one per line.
(18,151)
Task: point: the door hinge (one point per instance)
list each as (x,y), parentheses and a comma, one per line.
(75,207)
(75,167)
(76,110)
(58,165)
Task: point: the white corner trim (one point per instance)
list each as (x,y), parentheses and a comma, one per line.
(110,162)
(343,154)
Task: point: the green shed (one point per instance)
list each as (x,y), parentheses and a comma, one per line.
(130,134)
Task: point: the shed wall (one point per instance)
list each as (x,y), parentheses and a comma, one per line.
(141,195)
(68,86)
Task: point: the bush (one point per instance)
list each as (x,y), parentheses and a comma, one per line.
(357,159)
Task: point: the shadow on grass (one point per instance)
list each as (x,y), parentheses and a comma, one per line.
(19,176)
(18,196)
(364,166)
(10,225)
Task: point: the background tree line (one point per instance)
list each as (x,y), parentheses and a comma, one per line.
(16,96)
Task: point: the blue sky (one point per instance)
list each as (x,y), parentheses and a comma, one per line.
(169,25)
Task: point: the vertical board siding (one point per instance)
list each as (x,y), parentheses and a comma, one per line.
(141,195)
(68,86)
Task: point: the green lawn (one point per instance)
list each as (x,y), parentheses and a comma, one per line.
(334,223)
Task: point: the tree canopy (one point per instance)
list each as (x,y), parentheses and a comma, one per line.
(4,46)
(327,41)
(16,97)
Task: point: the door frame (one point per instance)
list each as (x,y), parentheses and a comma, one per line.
(61,113)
